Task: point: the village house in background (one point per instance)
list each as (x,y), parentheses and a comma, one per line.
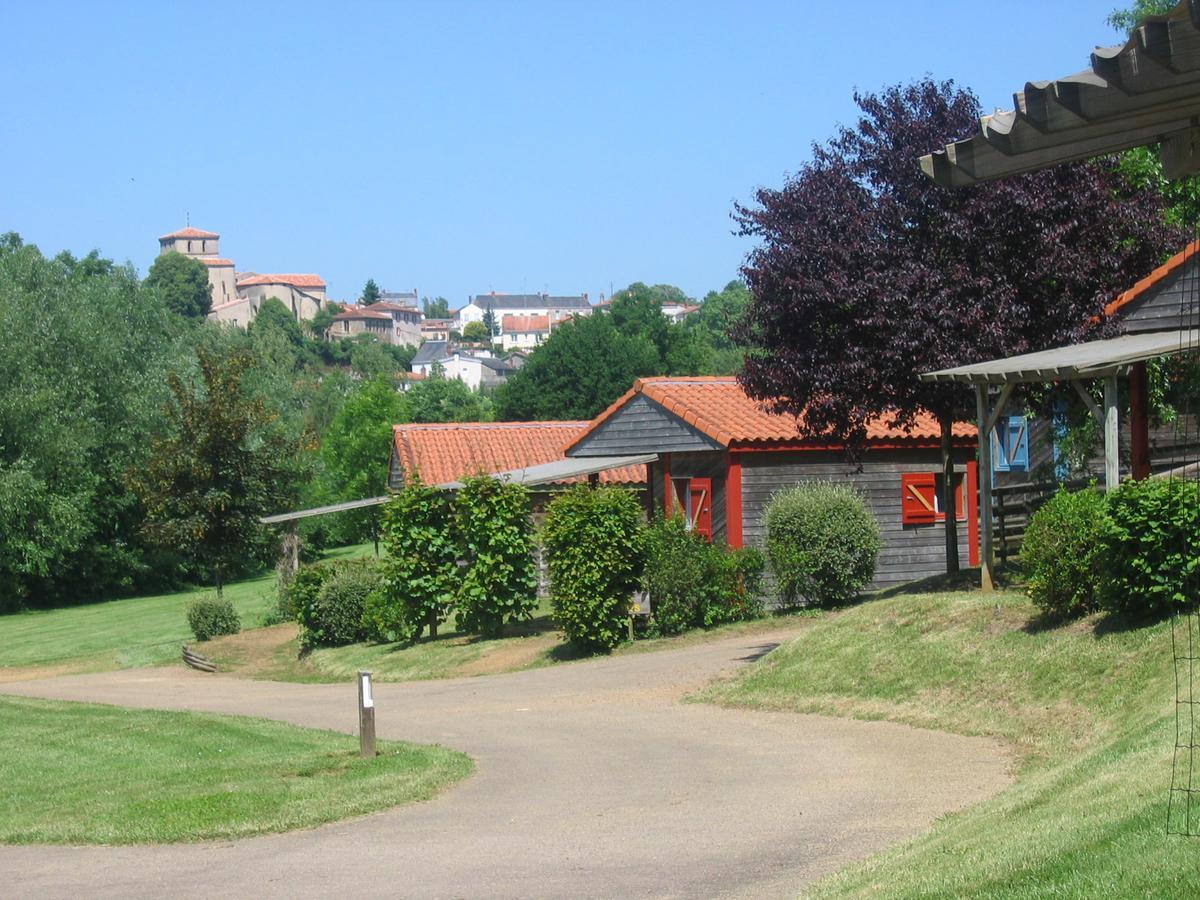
(523,332)
(501,305)
(436,329)
(237,296)
(476,369)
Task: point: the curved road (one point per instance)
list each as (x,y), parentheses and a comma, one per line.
(593,780)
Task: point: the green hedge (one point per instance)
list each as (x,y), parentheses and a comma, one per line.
(1062,553)
(210,617)
(331,599)
(822,541)
(594,546)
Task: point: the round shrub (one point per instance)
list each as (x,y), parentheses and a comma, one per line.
(739,578)
(594,546)
(300,593)
(210,617)
(1061,553)
(335,615)
(822,542)
(1149,547)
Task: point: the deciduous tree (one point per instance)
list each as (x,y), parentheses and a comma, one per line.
(867,273)
(182,284)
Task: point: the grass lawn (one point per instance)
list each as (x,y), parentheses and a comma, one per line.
(137,631)
(1088,707)
(81,773)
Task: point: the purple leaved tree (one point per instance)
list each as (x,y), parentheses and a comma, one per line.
(867,273)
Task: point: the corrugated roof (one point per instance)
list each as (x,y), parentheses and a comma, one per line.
(446,453)
(1093,359)
(717,407)
(1144,91)
(189,232)
(296,280)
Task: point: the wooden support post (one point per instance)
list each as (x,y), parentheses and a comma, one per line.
(1112,435)
(594,480)
(668,486)
(366,716)
(733,501)
(987,562)
(1139,422)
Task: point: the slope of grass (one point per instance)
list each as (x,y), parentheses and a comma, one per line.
(1089,709)
(81,773)
(137,631)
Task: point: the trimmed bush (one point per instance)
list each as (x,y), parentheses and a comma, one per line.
(694,584)
(1062,553)
(594,546)
(421,574)
(211,617)
(500,584)
(1149,547)
(822,541)
(332,615)
(301,592)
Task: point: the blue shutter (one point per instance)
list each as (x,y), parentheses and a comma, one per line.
(1010,442)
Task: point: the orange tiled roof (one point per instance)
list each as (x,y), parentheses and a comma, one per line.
(719,408)
(293,280)
(518,324)
(215,261)
(387,305)
(1167,268)
(442,453)
(363,313)
(189,232)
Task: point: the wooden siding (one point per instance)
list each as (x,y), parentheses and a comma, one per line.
(705,465)
(1170,305)
(908,552)
(642,426)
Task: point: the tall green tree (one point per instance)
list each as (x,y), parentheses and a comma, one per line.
(437,308)
(219,465)
(370,291)
(442,399)
(490,325)
(182,284)
(476,332)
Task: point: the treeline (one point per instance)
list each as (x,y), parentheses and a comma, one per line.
(87,353)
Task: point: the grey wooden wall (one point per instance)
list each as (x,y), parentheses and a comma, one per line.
(1172,304)
(909,552)
(642,426)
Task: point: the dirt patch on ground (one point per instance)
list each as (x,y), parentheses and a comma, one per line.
(29,673)
(515,653)
(249,654)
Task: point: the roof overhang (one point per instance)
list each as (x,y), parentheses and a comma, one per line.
(547,473)
(1095,359)
(1145,91)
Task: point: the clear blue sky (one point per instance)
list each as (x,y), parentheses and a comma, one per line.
(465,147)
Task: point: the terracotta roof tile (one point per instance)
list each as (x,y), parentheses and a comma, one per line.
(294,280)
(1166,269)
(189,232)
(718,407)
(519,324)
(348,314)
(215,261)
(442,453)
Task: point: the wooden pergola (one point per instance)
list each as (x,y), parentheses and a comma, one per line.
(1143,92)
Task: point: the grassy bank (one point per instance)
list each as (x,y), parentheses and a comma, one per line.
(80,773)
(137,631)
(1088,708)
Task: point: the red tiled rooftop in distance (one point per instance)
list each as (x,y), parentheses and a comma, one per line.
(215,261)
(518,324)
(719,408)
(386,305)
(295,280)
(189,232)
(451,452)
(364,313)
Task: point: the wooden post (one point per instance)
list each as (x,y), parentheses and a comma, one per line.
(366,716)
(668,486)
(987,562)
(1139,421)
(1112,436)
(733,501)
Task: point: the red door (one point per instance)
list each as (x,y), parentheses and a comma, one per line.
(700,495)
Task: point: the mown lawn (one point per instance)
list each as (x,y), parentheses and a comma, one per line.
(136,631)
(82,773)
(1088,707)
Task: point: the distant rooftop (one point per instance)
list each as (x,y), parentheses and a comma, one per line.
(530,301)
(294,280)
(189,232)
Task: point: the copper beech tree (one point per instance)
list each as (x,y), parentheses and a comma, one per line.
(867,273)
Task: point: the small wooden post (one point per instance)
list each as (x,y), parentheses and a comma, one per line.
(987,562)
(1112,436)
(366,716)
(1139,422)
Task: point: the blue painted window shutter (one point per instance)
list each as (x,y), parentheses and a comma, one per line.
(1012,445)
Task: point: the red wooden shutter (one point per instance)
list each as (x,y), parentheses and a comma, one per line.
(700,491)
(918,498)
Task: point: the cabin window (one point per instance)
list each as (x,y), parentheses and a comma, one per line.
(693,500)
(920,500)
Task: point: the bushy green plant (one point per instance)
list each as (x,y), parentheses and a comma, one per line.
(1149,546)
(822,541)
(334,615)
(301,591)
(692,583)
(1061,553)
(500,584)
(421,574)
(211,617)
(594,548)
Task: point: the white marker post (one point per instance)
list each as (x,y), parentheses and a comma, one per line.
(366,716)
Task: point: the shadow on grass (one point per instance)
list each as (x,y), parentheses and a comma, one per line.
(1008,576)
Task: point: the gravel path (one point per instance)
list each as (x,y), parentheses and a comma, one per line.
(593,780)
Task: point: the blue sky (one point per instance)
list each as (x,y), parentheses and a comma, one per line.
(465,147)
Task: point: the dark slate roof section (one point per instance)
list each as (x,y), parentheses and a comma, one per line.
(642,426)
(429,351)
(529,301)
(496,365)
(1144,91)
(402,298)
